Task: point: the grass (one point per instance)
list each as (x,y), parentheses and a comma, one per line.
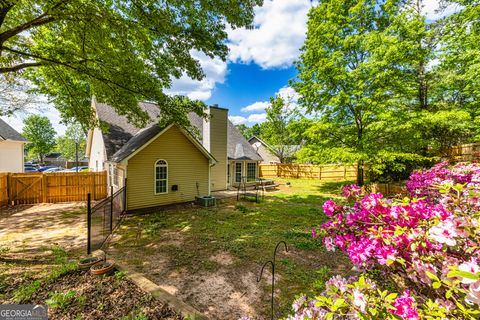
(62,266)
(248,231)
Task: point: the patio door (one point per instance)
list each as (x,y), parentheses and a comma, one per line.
(238,172)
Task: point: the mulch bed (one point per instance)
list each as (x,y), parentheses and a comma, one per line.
(101,297)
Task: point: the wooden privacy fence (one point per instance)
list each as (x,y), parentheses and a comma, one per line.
(327,172)
(30,188)
(464,152)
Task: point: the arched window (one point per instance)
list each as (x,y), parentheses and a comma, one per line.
(161,176)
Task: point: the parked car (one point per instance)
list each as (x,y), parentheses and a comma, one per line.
(77,169)
(29,169)
(42,169)
(54,169)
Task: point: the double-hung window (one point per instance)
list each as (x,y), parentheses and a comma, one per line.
(161,176)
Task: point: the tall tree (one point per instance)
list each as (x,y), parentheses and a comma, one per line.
(120,51)
(41,135)
(276,130)
(73,143)
(248,132)
(338,72)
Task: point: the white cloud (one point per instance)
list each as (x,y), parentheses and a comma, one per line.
(257,118)
(279,32)
(433,11)
(16,120)
(215,71)
(256,106)
(237,119)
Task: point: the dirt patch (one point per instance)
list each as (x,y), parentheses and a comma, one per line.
(46,224)
(32,238)
(80,294)
(223,258)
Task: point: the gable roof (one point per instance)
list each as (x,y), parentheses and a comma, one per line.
(123,138)
(288,147)
(8,133)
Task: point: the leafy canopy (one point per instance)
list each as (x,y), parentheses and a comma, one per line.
(41,135)
(72,142)
(120,51)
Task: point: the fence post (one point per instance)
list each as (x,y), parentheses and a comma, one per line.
(319,172)
(89,222)
(111,209)
(344,172)
(44,188)
(9,189)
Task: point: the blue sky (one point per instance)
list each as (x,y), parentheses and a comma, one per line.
(259,65)
(246,84)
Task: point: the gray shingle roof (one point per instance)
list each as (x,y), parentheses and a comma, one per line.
(8,133)
(123,138)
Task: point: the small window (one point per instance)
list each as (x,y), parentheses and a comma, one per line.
(115,176)
(238,172)
(251,171)
(161,176)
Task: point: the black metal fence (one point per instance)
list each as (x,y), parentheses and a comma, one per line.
(103,218)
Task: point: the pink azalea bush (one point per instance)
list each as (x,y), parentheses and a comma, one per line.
(419,257)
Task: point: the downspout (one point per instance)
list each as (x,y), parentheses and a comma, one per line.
(212,163)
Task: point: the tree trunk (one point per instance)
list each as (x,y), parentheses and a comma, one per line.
(360,180)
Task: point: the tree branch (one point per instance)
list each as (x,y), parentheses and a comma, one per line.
(21,66)
(3,12)
(42,19)
(70,66)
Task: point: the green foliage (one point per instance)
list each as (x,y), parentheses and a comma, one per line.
(60,300)
(122,52)
(248,132)
(74,140)
(388,167)
(386,85)
(276,130)
(41,136)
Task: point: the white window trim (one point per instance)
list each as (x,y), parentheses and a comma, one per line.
(256,171)
(235,172)
(155,177)
(112,168)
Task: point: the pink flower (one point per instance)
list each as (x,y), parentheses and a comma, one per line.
(444,232)
(473,294)
(386,255)
(314,233)
(470,267)
(446,304)
(329,208)
(404,307)
(338,282)
(328,242)
(359,299)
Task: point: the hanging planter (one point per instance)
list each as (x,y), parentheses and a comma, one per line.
(103,267)
(87,263)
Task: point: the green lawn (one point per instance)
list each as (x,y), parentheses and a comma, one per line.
(188,241)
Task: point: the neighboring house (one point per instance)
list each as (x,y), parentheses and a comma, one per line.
(12,146)
(165,165)
(269,155)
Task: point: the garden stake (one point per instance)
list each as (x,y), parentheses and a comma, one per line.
(272,262)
